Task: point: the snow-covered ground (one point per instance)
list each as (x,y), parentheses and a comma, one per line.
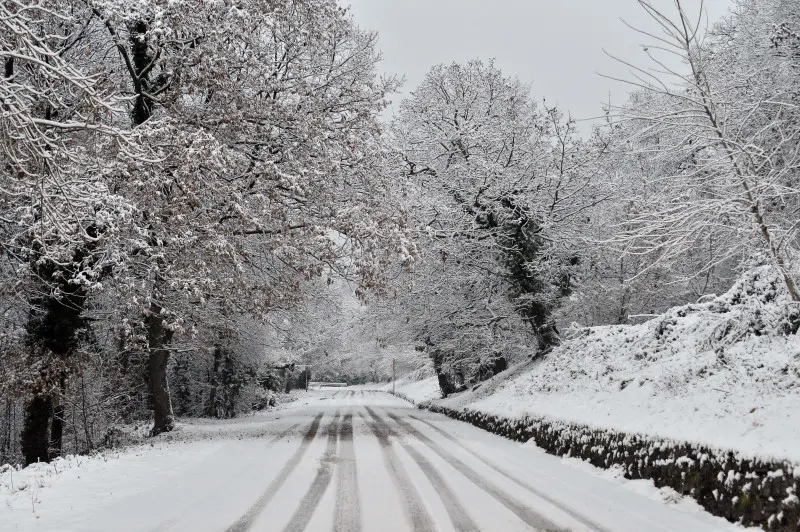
(344,459)
(724,373)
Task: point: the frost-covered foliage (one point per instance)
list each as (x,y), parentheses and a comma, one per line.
(174,174)
(722,140)
(524,228)
(495,186)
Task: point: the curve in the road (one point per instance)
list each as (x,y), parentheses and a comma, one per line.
(569,511)
(528,516)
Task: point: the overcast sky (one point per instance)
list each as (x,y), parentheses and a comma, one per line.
(556,45)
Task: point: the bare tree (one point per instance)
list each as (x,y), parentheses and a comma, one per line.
(728,125)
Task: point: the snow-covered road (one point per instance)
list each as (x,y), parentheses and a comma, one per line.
(344,460)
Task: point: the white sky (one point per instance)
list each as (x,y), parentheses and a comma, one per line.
(556,45)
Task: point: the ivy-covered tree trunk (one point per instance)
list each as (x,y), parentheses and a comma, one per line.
(228,378)
(52,336)
(55,317)
(212,408)
(35,441)
(182,396)
(158,338)
(446,385)
(57,423)
(533,295)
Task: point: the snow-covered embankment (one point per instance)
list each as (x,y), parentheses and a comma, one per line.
(702,399)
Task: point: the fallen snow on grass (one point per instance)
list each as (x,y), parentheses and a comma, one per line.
(725,373)
(33,498)
(115,475)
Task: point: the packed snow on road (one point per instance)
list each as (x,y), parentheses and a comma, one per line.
(337,458)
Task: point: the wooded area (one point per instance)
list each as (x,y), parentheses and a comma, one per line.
(195,193)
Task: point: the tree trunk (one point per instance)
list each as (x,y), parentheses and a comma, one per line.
(57,424)
(35,440)
(158,337)
(52,335)
(446,385)
(212,407)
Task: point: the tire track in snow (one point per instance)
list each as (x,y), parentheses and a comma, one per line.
(312,498)
(347,517)
(247,519)
(459,517)
(170,523)
(516,480)
(415,510)
(526,514)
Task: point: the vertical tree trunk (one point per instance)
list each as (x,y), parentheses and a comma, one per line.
(446,385)
(158,337)
(57,424)
(52,335)
(37,411)
(35,440)
(212,407)
(53,323)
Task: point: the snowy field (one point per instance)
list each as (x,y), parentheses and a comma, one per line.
(348,459)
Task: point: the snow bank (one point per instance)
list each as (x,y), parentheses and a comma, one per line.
(703,399)
(723,373)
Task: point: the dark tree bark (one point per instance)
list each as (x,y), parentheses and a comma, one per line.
(489,369)
(212,407)
(141,63)
(52,335)
(158,338)
(55,318)
(446,384)
(35,441)
(228,378)
(181,388)
(57,424)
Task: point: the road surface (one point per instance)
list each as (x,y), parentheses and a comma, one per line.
(348,460)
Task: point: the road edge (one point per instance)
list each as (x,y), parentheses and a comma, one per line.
(742,490)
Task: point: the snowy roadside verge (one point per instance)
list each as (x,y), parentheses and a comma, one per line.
(741,489)
(724,373)
(38,490)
